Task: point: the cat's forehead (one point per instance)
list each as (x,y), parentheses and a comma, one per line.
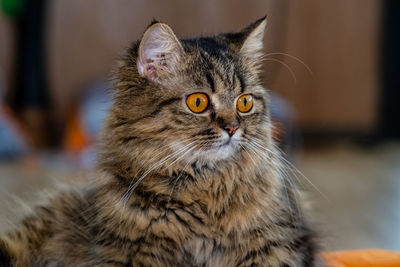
(213,46)
(212,61)
(217,70)
(214,52)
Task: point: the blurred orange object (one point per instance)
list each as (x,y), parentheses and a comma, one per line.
(362,258)
(75,139)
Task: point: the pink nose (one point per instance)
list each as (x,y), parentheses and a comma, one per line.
(231,129)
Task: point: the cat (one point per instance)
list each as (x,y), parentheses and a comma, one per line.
(189,174)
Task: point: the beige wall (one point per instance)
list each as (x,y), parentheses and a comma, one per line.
(338,40)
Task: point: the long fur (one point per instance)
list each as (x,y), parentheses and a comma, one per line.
(170,192)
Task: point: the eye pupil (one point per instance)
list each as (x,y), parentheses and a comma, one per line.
(244,103)
(197,102)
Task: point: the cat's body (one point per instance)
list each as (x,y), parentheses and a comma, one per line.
(179,186)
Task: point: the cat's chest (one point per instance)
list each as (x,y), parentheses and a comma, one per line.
(194,239)
(203,251)
(199,250)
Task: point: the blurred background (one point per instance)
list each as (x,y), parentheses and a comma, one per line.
(331,66)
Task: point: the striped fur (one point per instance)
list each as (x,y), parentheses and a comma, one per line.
(171,192)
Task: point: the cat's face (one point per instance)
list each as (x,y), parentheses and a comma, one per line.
(197,100)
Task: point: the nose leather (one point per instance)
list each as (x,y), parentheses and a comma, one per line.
(230,129)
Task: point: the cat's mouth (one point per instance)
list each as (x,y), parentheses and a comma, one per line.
(225,147)
(225,143)
(221,150)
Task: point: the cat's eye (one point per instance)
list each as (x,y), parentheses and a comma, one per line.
(197,102)
(244,103)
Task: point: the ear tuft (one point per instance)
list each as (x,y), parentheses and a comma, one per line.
(253,42)
(153,21)
(159,53)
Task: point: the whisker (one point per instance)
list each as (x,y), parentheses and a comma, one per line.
(177,179)
(285,177)
(245,150)
(289,165)
(285,161)
(162,150)
(292,57)
(158,164)
(181,156)
(285,65)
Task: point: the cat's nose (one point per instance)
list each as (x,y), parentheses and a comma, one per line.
(230,129)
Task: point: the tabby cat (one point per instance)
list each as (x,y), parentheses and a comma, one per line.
(188,172)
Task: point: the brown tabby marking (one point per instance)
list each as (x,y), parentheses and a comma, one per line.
(175,189)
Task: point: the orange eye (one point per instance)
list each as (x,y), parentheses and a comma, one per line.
(197,102)
(244,103)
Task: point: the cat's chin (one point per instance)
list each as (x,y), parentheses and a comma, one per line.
(219,152)
(222,152)
(224,149)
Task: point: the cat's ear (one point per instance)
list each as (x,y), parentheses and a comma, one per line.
(160,52)
(252,44)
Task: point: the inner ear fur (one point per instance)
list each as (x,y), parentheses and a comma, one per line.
(160,52)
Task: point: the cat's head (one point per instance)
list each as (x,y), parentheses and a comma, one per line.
(192,100)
